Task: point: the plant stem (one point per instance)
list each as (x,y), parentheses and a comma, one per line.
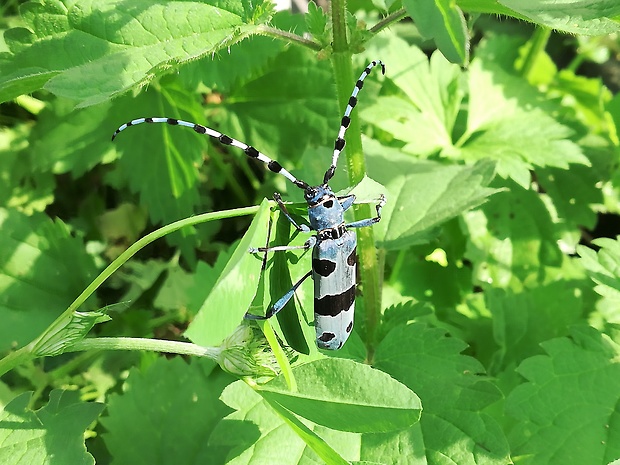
(538,43)
(137,343)
(281,34)
(356,166)
(388,20)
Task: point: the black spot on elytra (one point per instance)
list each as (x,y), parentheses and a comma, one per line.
(350,327)
(351,258)
(323,267)
(326,337)
(333,305)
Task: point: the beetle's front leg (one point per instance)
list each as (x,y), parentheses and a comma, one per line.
(369,221)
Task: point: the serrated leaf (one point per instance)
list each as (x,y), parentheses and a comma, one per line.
(603,267)
(444,22)
(357,398)
(422,194)
(589,17)
(175,401)
(121,45)
(55,430)
(567,412)
(454,428)
(224,308)
(42,269)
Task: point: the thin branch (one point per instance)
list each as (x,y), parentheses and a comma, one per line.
(388,20)
(281,34)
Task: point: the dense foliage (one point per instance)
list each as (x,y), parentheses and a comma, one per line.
(489,298)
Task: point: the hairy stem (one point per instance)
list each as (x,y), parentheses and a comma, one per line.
(368,263)
(281,34)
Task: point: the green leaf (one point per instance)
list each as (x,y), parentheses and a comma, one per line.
(511,238)
(254,433)
(422,194)
(174,401)
(55,430)
(588,17)
(121,46)
(604,269)
(444,22)
(454,428)
(42,269)
(22,187)
(567,411)
(523,320)
(224,308)
(357,398)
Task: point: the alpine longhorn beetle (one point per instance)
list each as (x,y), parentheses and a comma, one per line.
(334,245)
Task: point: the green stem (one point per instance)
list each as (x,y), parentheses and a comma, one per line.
(137,343)
(388,20)
(356,165)
(281,34)
(538,43)
(26,353)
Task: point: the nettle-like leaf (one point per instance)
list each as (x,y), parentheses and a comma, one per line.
(55,430)
(567,411)
(604,269)
(92,50)
(589,17)
(444,22)
(453,427)
(171,400)
(42,269)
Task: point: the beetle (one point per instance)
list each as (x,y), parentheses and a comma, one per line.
(333,246)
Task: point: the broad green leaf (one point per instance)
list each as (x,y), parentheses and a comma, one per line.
(55,430)
(444,22)
(120,45)
(589,17)
(357,398)
(454,428)
(422,194)
(42,269)
(567,411)
(171,400)
(224,308)
(603,267)
(255,433)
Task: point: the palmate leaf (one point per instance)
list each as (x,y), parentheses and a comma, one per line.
(55,430)
(173,401)
(92,50)
(567,412)
(505,120)
(42,269)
